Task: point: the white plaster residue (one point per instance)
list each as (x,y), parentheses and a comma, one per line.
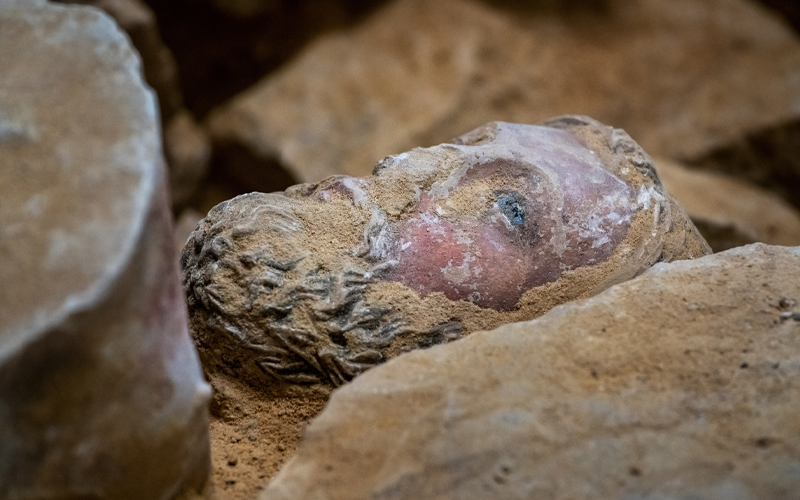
(647,195)
(601,241)
(432,222)
(597,225)
(378,236)
(463,237)
(360,197)
(459,274)
(399,158)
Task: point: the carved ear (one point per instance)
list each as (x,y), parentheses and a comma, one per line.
(485,133)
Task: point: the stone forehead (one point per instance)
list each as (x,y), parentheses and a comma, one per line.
(546,148)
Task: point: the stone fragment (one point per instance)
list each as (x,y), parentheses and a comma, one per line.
(767,156)
(681,77)
(224,46)
(188,153)
(729,212)
(318,283)
(101,392)
(682,383)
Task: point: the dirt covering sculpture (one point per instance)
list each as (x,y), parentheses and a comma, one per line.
(305,289)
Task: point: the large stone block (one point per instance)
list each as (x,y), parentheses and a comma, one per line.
(682,383)
(186,146)
(101,393)
(683,78)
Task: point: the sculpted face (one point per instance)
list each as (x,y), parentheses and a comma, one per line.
(512,220)
(322,281)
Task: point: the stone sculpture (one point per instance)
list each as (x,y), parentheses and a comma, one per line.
(314,285)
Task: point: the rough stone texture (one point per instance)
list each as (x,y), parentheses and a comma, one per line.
(680,384)
(728,212)
(312,286)
(101,393)
(682,77)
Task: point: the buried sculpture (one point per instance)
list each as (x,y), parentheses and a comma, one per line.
(316,284)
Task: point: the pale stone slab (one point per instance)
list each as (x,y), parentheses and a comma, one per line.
(682,383)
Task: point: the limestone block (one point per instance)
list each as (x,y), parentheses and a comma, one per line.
(101,393)
(682,383)
(302,290)
(186,146)
(158,64)
(682,77)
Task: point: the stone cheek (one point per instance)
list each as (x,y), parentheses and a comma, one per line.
(466,261)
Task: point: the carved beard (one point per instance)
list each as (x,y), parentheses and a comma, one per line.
(298,328)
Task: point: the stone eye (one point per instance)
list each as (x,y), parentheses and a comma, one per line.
(509,205)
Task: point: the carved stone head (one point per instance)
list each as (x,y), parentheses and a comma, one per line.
(316,284)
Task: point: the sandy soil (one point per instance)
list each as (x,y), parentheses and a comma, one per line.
(252,436)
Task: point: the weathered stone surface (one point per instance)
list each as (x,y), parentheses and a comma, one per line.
(101,393)
(186,146)
(316,284)
(682,383)
(160,70)
(728,212)
(681,77)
